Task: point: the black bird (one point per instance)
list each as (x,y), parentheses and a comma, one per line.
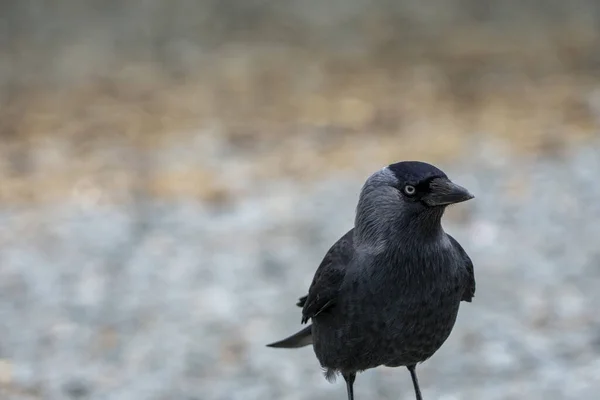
(388,291)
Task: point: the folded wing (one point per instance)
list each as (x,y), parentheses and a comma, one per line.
(469,292)
(324,288)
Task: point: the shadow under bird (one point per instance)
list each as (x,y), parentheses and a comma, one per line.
(388,291)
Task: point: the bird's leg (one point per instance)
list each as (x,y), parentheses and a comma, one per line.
(415,380)
(349,378)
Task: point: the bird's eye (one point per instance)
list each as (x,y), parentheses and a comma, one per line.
(410,190)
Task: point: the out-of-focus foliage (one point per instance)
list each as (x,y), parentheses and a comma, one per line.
(268,74)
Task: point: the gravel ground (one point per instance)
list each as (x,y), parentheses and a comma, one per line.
(176,300)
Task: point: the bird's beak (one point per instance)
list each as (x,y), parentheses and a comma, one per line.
(444,192)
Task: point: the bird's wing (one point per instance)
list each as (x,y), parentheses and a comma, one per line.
(469,292)
(328,278)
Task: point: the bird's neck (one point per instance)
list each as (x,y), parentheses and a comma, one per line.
(380,223)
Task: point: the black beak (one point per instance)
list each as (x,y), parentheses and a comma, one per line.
(444,192)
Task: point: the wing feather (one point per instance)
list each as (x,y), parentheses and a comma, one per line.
(324,288)
(469,292)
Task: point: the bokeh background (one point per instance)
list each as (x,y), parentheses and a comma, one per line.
(172,172)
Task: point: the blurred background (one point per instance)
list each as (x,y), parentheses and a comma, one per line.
(172,173)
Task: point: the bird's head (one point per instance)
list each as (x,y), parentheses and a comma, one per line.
(413,186)
(424,185)
(410,195)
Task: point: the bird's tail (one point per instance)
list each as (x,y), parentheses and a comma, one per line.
(298,339)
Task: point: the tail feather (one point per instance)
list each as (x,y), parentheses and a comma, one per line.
(298,339)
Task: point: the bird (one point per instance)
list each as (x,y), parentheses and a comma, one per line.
(387,293)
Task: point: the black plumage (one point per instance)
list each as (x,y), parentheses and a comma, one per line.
(388,291)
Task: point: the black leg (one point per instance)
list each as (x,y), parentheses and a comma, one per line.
(413,375)
(349,378)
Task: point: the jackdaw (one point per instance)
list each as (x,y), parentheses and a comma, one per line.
(388,291)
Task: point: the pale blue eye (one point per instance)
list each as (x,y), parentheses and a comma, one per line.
(410,190)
